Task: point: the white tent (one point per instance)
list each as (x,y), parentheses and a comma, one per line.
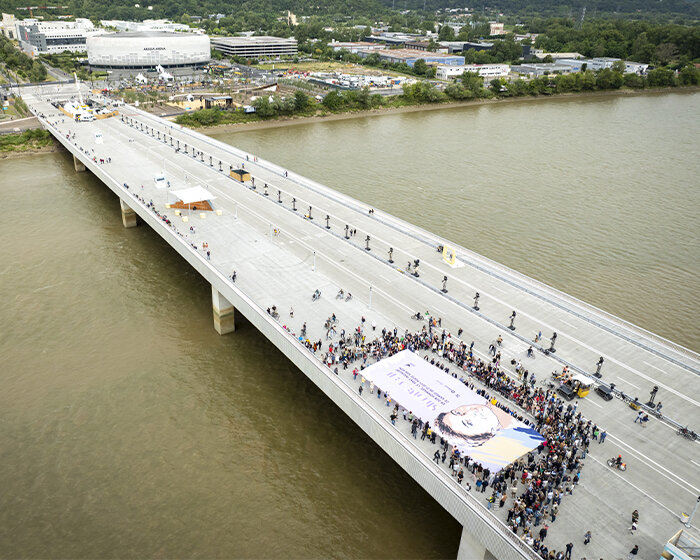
(192,194)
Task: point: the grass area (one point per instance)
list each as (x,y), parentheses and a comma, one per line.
(25,141)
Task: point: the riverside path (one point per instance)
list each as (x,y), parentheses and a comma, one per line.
(286,236)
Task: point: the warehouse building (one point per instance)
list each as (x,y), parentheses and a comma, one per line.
(148,49)
(486,71)
(408,56)
(255,47)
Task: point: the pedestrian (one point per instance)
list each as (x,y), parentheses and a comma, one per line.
(291,312)
(633,528)
(208,256)
(587,537)
(603,435)
(640,414)
(569,548)
(633,552)
(644,420)
(436,457)
(360,390)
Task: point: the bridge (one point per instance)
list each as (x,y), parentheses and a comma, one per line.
(286,236)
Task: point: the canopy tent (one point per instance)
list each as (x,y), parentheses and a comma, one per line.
(477,427)
(192,194)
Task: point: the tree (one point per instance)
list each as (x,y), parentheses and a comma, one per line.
(333,100)
(263,107)
(665,53)
(689,76)
(420,67)
(446,33)
(301,101)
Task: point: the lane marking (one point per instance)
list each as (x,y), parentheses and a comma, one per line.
(567,323)
(694,463)
(651,365)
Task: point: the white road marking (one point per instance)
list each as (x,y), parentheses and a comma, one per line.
(567,323)
(694,463)
(651,365)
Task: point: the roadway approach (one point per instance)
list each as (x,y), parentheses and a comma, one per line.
(291,238)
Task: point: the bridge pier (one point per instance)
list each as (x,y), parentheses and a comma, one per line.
(224,321)
(128,215)
(471,549)
(79,166)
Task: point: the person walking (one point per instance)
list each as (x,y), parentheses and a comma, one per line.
(569,548)
(640,414)
(587,537)
(633,552)
(603,435)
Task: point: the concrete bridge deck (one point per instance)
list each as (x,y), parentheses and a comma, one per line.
(280,257)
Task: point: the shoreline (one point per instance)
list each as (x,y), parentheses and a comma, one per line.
(292,121)
(54,147)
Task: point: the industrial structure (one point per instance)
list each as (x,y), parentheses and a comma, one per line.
(145,50)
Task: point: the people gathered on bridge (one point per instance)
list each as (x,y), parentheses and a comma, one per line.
(537,482)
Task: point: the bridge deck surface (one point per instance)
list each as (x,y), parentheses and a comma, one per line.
(278,269)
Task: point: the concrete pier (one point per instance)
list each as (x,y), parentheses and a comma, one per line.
(224,321)
(79,165)
(128,215)
(470,548)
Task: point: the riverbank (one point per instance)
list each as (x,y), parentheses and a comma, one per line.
(300,119)
(29,142)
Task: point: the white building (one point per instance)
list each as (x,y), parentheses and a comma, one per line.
(148,49)
(147,25)
(355,47)
(496,28)
(50,37)
(486,71)
(7,27)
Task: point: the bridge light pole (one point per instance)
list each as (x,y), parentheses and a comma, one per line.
(220,166)
(370,303)
(476,301)
(347,227)
(328,218)
(367,248)
(294,204)
(310,216)
(416,262)
(512,321)
(690,519)
(598,366)
(652,395)
(211,163)
(279,196)
(553,340)
(444,285)
(391,254)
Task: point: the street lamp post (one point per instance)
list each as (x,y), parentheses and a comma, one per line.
(367,248)
(553,340)
(328,218)
(391,254)
(599,365)
(476,301)
(512,321)
(444,284)
(690,519)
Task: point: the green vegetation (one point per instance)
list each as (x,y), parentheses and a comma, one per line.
(19,63)
(25,141)
(641,41)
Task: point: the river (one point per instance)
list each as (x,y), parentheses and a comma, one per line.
(131,429)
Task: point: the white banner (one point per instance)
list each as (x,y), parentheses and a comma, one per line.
(468,421)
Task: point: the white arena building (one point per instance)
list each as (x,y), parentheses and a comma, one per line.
(144,50)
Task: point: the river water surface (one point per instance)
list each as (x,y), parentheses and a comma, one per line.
(131,429)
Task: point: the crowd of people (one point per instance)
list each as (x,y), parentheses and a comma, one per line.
(537,482)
